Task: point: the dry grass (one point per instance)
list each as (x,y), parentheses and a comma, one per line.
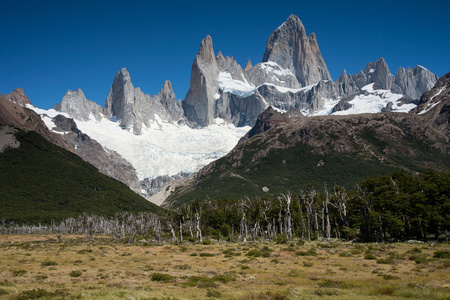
(80,268)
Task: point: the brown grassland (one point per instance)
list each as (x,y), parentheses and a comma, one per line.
(78,267)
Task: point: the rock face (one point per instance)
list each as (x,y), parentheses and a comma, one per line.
(292,49)
(413,82)
(375,72)
(77,106)
(199,103)
(134,109)
(108,162)
(18,96)
(18,116)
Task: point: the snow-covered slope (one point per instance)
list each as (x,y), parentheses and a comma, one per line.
(369,101)
(164,148)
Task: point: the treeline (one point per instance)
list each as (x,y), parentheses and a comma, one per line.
(394,207)
(397,207)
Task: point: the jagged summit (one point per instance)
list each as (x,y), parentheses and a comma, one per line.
(18,96)
(206,51)
(77,106)
(292,49)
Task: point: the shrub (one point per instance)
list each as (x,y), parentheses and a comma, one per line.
(388,260)
(206,254)
(245,267)
(224,278)
(3,292)
(16,273)
(213,294)
(161,277)
(200,281)
(369,255)
(310,252)
(253,253)
(414,250)
(76,273)
(49,263)
(442,254)
(335,284)
(307,264)
(35,294)
(183,267)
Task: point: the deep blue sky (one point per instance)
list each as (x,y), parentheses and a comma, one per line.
(49,47)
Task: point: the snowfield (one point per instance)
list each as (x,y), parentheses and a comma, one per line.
(162,149)
(375,101)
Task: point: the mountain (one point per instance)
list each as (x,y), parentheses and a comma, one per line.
(285,152)
(163,138)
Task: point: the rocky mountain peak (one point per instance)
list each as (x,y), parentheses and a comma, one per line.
(198,104)
(292,49)
(167,88)
(415,81)
(18,96)
(206,51)
(75,104)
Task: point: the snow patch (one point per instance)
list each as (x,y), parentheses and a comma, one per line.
(438,93)
(271,67)
(236,87)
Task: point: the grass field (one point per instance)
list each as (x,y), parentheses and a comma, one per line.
(71,267)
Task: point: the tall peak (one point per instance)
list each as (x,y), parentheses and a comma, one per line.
(167,88)
(292,49)
(206,51)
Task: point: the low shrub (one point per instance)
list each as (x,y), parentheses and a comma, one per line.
(310,252)
(17,273)
(206,254)
(441,254)
(76,273)
(161,277)
(48,263)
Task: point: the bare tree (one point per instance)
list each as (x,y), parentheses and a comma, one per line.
(197,226)
(287,198)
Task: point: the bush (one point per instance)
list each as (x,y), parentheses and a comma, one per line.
(369,255)
(442,254)
(160,277)
(206,254)
(213,294)
(310,252)
(76,273)
(17,273)
(35,294)
(253,253)
(3,292)
(49,263)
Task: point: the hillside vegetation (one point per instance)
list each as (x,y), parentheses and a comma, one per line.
(40,182)
(318,152)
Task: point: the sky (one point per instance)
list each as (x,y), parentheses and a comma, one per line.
(49,47)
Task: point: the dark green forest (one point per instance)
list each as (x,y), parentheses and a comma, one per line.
(41,182)
(396,207)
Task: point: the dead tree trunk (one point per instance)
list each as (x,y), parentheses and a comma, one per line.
(197,226)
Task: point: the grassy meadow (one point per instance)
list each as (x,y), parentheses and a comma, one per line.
(78,267)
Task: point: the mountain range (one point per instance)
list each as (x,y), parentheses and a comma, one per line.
(147,141)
